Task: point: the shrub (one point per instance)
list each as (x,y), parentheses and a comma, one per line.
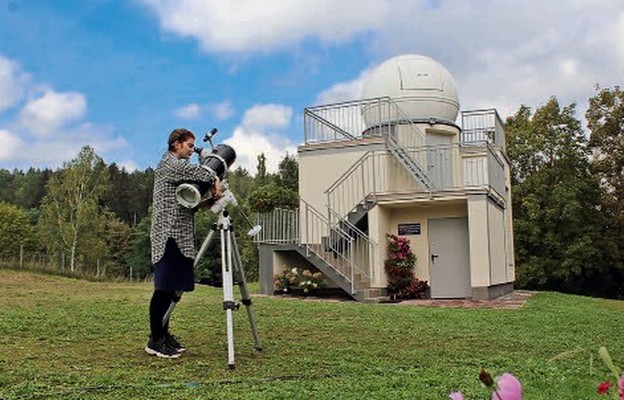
(399,267)
(299,279)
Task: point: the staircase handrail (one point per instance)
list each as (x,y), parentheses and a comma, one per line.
(359,237)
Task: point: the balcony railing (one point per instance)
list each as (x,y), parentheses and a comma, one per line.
(377,172)
(482,126)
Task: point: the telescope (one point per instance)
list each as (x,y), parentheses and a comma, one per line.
(215,160)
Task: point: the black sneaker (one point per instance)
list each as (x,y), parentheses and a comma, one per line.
(172,342)
(160,348)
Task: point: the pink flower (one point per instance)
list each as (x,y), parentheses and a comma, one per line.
(621,387)
(509,388)
(456,396)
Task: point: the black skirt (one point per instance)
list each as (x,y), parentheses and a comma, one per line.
(174,272)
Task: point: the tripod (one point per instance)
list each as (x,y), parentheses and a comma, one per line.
(231,267)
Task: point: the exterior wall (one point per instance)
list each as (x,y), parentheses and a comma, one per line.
(479,241)
(489,248)
(320,167)
(509,235)
(497,244)
(378,224)
(386,219)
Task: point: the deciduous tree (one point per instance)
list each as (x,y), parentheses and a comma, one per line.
(557,223)
(70,208)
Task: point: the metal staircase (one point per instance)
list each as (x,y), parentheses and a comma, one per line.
(408,163)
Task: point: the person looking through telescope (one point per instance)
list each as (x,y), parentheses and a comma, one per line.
(172,236)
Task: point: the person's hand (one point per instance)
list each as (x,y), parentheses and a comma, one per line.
(217,189)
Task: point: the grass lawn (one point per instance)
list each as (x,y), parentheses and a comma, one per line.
(70,339)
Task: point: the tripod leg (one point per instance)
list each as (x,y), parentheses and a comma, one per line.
(176,299)
(203,248)
(242,284)
(228,295)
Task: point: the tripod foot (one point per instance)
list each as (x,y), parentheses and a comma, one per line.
(231,366)
(258,348)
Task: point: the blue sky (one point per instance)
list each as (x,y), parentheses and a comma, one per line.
(120,75)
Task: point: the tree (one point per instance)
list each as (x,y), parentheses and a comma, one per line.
(70,208)
(605,120)
(288,173)
(15,230)
(30,189)
(557,223)
(276,191)
(262,171)
(138,259)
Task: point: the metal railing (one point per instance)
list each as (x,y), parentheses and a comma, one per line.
(349,253)
(358,119)
(376,172)
(341,121)
(364,248)
(281,226)
(482,126)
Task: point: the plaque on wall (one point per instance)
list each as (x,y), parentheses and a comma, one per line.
(409,229)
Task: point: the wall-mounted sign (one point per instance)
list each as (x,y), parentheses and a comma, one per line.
(409,229)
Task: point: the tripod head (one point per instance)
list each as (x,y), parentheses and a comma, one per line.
(228,198)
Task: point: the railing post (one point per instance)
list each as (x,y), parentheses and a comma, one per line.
(307,238)
(351,241)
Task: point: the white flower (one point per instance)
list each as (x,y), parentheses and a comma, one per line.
(294,271)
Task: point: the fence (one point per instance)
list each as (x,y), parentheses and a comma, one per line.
(37,261)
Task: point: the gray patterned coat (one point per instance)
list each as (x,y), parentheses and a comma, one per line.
(170,219)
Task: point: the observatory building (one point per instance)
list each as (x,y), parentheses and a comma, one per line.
(405,161)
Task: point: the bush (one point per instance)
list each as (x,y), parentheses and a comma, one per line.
(299,279)
(399,267)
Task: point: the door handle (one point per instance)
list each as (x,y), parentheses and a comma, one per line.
(433,258)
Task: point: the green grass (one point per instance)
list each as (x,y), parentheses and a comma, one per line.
(70,339)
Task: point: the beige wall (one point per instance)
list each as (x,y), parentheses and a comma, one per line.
(497,244)
(386,219)
(479,243)
(320,168)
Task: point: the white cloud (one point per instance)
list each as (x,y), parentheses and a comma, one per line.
(259,133)
(189,111)
(250,26)
(52,110)
(223,110)
(48,127)
(344,91)
(128,165)
(51,151)
(220,111)
(267,116)
(11,146)
(501,53)
(13,83)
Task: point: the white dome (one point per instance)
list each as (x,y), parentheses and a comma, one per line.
(421,86)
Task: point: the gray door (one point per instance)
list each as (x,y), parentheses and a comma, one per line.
(449,258)
(439,161)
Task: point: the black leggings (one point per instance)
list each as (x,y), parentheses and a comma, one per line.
(161,300)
